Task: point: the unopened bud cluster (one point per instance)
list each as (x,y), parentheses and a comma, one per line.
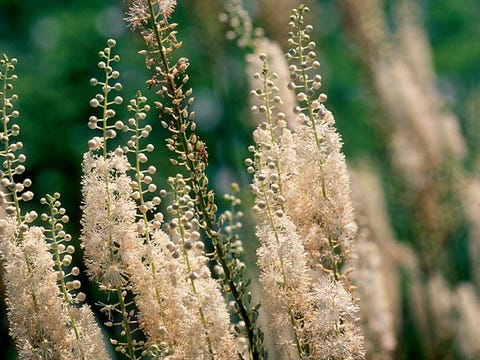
(270,100)
(145,192)
(184,228)
(303,66)
(268,136)
(62,250)
(104,100)
(231,220)
(12,191)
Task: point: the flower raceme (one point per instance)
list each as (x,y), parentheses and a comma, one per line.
(306,225)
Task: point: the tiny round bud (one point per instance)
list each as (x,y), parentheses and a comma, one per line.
(30,216)
(193,275)
(27,196)
(81,297)
(302,96)
(20,169)
(76,284)
(110,113)
(94,103)
(119,125)
(152,188)
(67,260)
(111,134)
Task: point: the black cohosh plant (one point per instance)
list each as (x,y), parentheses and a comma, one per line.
(153,267)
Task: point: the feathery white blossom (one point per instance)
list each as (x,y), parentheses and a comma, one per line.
(40,320)
(180,305)
(109,230)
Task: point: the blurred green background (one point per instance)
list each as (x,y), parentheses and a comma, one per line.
(56,43)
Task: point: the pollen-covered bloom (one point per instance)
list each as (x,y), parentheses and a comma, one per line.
(285,281)
(138,13)
(334,322)
(166,7)
(40,321)
(289,182)
(377,316)
(205,324)
(31,290)
(318,191)
(468,312)
(109,234)
(89,344)
(180,305)
(309,318)
(158,296)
